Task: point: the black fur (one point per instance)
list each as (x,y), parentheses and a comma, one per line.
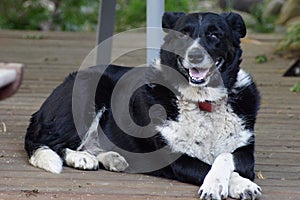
(53,125)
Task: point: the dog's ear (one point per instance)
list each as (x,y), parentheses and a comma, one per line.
(169,19)
(237,23)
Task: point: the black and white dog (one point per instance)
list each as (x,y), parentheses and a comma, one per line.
(207,123)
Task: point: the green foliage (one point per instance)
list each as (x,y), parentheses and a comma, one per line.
(77,15)
(180,5)
(261,59)
(262,24)
(296,87)
(19,14)
(70,15)
(291,41)
(132,13)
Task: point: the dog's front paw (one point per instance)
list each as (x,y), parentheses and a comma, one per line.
(112,161)
(242,188)
(214,187)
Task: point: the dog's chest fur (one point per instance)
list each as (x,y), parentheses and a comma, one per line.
(205,135)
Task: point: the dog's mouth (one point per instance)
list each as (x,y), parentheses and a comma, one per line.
(199,76)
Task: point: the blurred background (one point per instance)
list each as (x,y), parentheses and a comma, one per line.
(266,16)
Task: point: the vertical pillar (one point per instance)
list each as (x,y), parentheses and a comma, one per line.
(105,31)
(155,11)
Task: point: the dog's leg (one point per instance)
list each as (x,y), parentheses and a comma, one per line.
(112,161)
(215,185)
(243,188)
(81,160)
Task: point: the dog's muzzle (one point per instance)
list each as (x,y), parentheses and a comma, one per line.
(197,62)
(199,65)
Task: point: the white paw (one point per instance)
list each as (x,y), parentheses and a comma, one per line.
(81,160)
(214,187)
(46,159)
(243,188)
(112,161)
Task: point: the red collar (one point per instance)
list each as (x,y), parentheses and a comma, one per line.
(206,106)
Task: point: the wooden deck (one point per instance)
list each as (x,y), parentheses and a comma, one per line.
(49,57)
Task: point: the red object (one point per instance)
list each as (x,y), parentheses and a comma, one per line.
(206,106)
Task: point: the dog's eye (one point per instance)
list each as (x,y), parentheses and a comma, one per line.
(213,36)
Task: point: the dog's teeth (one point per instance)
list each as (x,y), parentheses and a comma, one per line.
(198,73)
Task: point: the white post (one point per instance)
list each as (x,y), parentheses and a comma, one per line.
(155,11)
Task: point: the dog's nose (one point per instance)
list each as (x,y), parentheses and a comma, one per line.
(195,55)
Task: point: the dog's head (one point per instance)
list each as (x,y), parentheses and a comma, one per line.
(199,44)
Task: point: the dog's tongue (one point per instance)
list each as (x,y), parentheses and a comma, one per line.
(197,73)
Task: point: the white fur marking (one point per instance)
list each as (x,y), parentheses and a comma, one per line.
(215,185)
(81,160)
(202,94)
(240,187)
(243,79)
(205,135)
(112,161)
(46,159)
